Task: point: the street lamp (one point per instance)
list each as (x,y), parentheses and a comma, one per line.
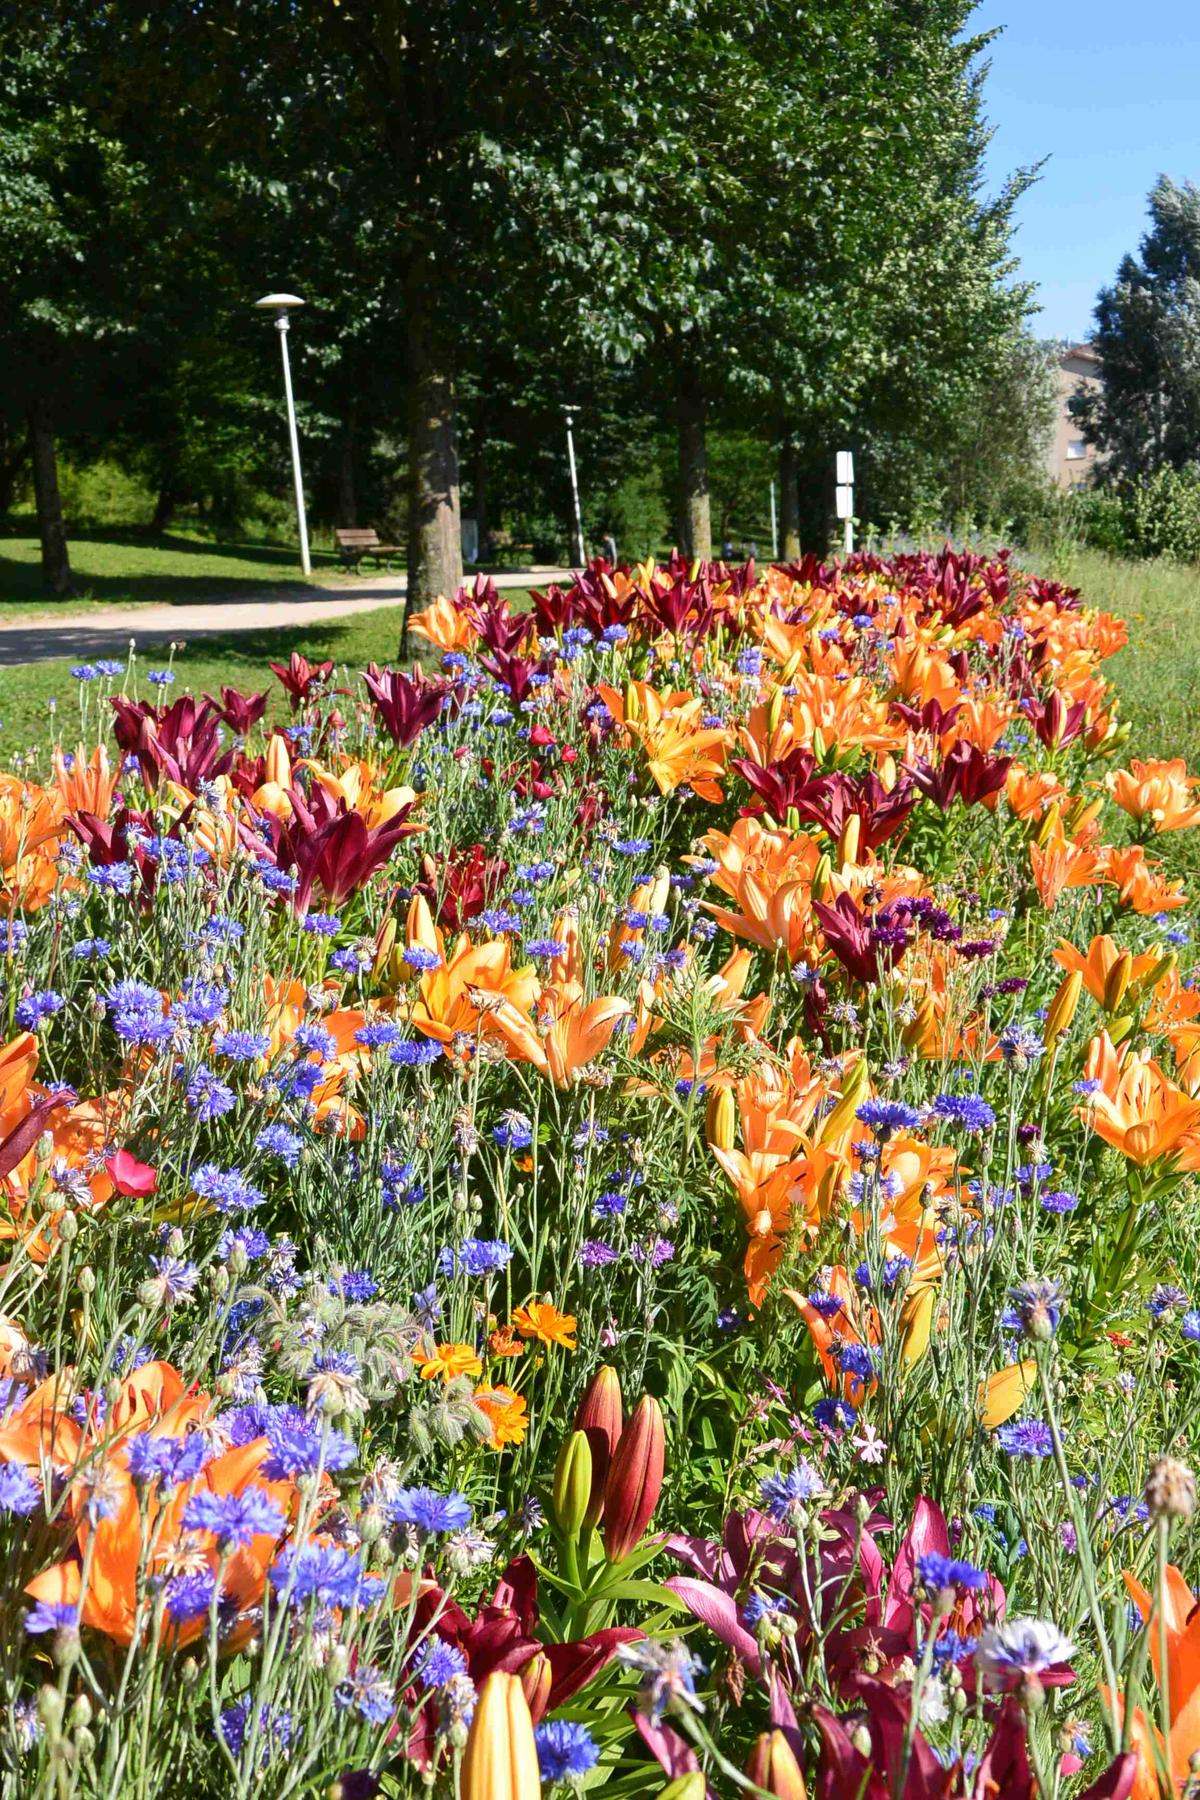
(578,521)
(281,305)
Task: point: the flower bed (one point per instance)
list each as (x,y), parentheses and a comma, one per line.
(620,1212)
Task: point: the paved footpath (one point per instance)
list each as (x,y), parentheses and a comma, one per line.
(106,632)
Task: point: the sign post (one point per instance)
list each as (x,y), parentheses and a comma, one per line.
(845,498)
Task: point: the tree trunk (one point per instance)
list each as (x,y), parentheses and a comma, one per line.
(695,519)
(434,524)
(789,501)
(56,558)
(347,494)
(164,506)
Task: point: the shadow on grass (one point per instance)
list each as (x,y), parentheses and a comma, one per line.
(20,579)
(244,647)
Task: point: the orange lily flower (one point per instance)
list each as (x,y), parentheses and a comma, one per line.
(445,625)
(1181,1617)
(31,820)
(1161,793)
(463,996)
(1138,1109)
(1141,884)
(88,784)
(1096,963)
(566,1035)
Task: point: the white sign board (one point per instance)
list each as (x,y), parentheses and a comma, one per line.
(845,469)
(845,502)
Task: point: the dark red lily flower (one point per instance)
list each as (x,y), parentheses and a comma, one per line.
(830,800)
(513,672)
(332,849)
(684,608)
(300,677)
(24,1135)
(932,717)
(182,743)
(501,629)
(849,934)
(241,712)
(556,609)
(464,884)
(967,774)
(778,784)
(1054,721)
(404,705)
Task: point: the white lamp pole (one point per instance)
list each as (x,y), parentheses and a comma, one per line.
(281,305)
(578,520)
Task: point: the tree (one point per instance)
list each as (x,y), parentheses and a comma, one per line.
(1146,414)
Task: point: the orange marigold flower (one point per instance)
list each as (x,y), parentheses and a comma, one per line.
(505,1342)
(542,1321)
(506,1411)
(449,1361)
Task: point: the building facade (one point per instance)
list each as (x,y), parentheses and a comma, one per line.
(1070,459)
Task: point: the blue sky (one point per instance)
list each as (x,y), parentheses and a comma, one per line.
(1110,92)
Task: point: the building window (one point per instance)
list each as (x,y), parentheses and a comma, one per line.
(1076,450)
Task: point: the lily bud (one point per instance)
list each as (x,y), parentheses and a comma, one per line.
(634,1479)
(1163,969)
(822,875)
(385,943)
(1049,827)
(916,1324)
(500,1761)
(1062,1007)
(854,1089)
(773,1767)
(572,1489)
(888,773)
(1117,981)
(536,1680)
(600,1417)
(720,1119)
(278,767)
(633,706)
(920,1025)
(818,744)
(691,1786)
(660,890)
(848,843)
(775,711)
(1080,817)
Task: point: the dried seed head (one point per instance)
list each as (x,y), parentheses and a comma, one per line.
(1170,1489)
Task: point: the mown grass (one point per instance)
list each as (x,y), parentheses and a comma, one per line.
(131,568)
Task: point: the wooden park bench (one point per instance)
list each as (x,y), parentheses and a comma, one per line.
(355,544)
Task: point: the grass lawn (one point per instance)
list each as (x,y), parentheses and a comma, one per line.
(116,568)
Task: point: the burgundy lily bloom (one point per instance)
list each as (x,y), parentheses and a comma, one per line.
(241,712)
(779,783)
(513,672)
(862,952)
(967,774)
(1054,721)
(25,1134)
(463,885)
(182,743)
(831,800)
(404,706)
(932,717)
(501,629)
(300,677)
(331,848)
(108,841)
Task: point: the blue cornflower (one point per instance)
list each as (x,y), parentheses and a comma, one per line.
(544,947)
(884,1117)
(249,1239)
(234,1518)
(1189,1326)
(160,677)
(369,1690)
(112,878)
(415,1054)
(782,1493)
(430,1512)
(1059,1201)
(856,1360)
(1026,1437)
(416,956)
(170,1461)
(315,1040)
(762,1606)
(276,881)
(535,872)
(173,1278)
(208,1097)
(595,1254)
(242,1046)
(936,1571)
(611,1204)
(277,1140)
(325,1573)
(438,1664)
(300,1445)
(1165,1298)
(32,1009)
(19,1492)
(476,1257)
(228,1189)
(91,950)
(967,1111)
(498,920)
(632,846)
(357,1285)
(834,1415)
(108,667)
(355,959)
(85,672)
(400,1185)
(50,1615)
(189,1596)
(378,1034)
(325,925)
(514,1132)
(565,1750)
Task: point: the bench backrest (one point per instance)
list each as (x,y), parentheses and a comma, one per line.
(355,537)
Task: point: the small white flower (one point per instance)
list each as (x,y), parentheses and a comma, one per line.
(870,1446)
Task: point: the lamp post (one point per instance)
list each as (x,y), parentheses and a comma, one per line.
(578,519)
(281,305)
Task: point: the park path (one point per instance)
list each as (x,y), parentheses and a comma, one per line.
(107,631)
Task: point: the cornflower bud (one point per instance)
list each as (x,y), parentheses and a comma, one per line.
(86,1279)
(1170,1489)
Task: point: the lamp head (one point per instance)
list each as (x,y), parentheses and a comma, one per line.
(279,302)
